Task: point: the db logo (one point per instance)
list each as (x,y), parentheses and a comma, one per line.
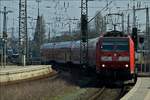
(115,58)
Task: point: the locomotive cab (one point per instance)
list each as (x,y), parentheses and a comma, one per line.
(115,55)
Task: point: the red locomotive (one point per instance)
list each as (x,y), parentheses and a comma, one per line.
(115,55)
(112,54)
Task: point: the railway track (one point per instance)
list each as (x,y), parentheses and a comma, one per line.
(123,91)
(105,93)
(61,82)
(64,82)
(97,94)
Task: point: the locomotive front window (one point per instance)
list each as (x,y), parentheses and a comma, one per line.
(115,45)
(120,47)
(107,47)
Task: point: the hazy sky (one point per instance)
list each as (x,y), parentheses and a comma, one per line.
(57,12)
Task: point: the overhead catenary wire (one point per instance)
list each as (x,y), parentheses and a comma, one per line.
(106,7)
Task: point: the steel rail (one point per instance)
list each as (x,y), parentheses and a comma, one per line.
(97,94)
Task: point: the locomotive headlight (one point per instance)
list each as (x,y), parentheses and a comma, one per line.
(103,65)
(106,58)
(125,58)
(126,65)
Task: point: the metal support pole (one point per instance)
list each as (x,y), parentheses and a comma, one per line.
(5,37)
(38,1)
(84,33)
(134,17)
(5,52)
(70,28)
(0,20)
(122,22)
(23,41)
(49,35)
(147,39)
(2,56)
(105,24)
(4,23)
(128,24)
